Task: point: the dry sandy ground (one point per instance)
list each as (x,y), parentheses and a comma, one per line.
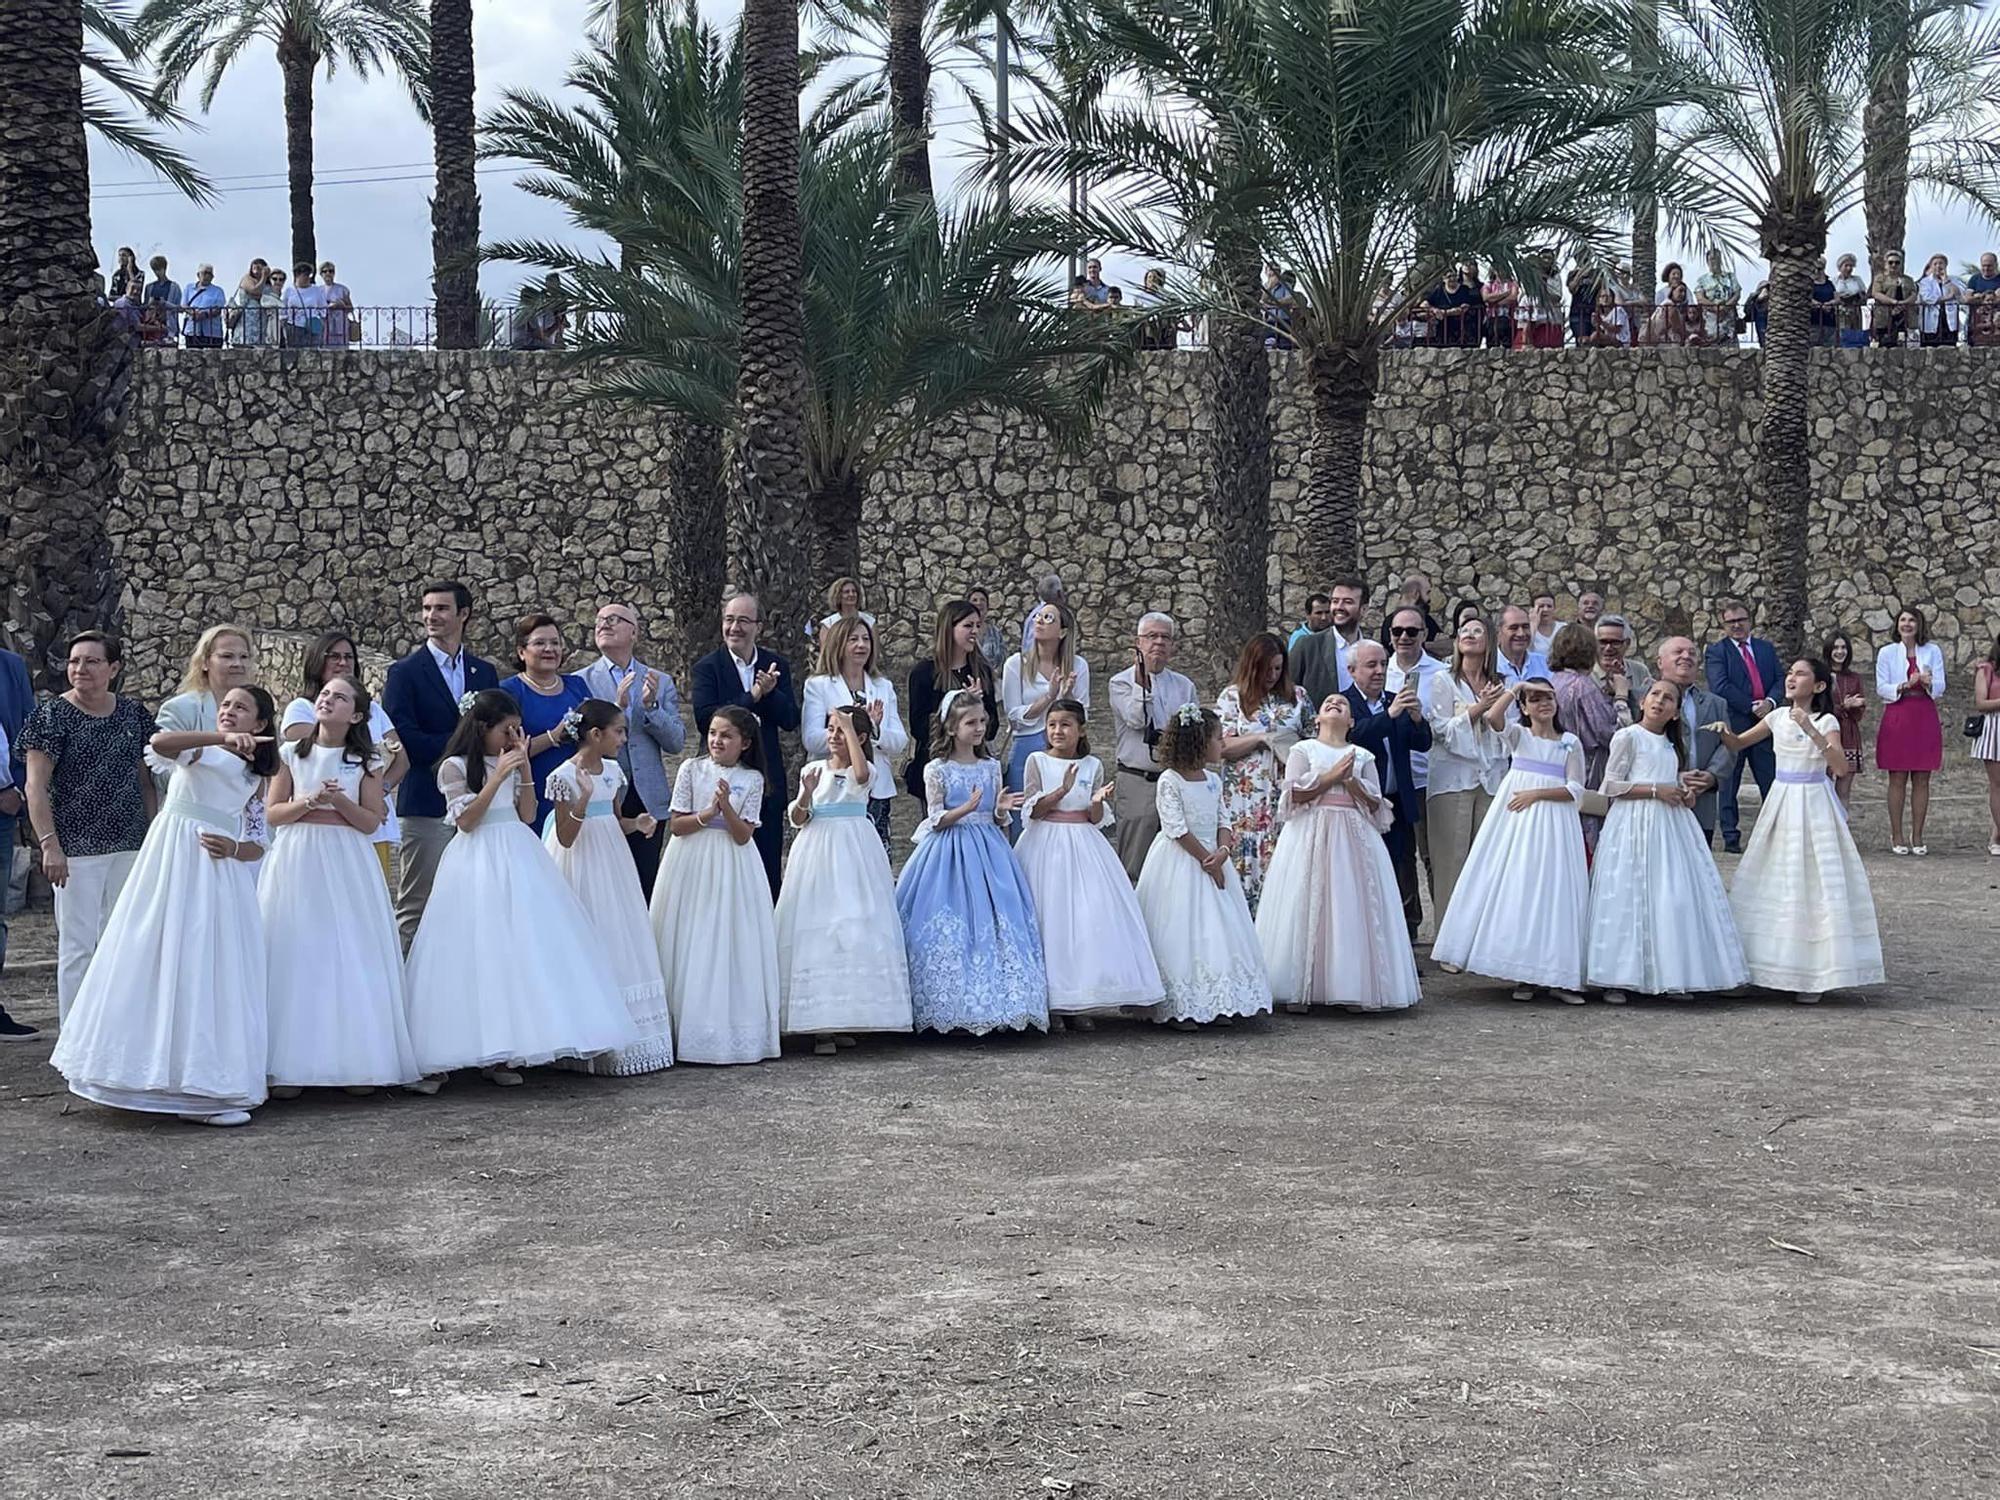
(1729,1249)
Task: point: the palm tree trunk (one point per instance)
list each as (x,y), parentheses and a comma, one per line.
(455,207)
(1645,151)
(1239,463)
(768,468)
(1343,376)
(1795,246)
(834,512)
(1885,131)
(697,520)
(64,366)
(910,93)
(296,61)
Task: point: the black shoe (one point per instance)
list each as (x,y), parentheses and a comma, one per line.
(12,1030)
(1732,846)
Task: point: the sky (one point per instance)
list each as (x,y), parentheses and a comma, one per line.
(374,177)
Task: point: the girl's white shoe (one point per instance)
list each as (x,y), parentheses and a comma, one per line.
(226,1118)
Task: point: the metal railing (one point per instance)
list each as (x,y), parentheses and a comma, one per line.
(519,326)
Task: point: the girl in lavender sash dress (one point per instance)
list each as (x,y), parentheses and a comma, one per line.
(1801,893)
(1522,901)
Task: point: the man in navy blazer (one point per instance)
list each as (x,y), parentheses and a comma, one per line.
(420,696)
(1743,671)
(1389,728)
(744,674)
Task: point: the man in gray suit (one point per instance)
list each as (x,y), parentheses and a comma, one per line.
(1706,762)
(1319,661)
(653,728)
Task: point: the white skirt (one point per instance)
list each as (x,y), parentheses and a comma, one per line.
(505,967)
(1801,896)
(170,1018)
(1331,920)
(1659,919)
(337,1010)
(1522,902)
(841,962)
(1094,940)
(718,946)
(599,869)
(1203,939)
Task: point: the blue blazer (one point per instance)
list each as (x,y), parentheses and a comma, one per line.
(421,706)
(1390,739)
(718,684)
(1729,680)
(17,701)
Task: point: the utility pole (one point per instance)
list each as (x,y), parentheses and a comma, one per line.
(1000,68)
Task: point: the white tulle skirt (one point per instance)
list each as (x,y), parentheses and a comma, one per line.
(1659,919)
(337,1010)
(1522,903)
(1203,939)
(599,869)
(1331,921)
(718,944)
(1801,895)
(1094,940)
(841,961)
(505,967)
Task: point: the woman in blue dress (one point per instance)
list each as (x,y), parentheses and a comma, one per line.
(547,695)
(968,916)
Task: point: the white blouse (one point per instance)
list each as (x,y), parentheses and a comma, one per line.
(300,711)
(1044,777)
(1017,692)
(826,693)
(694,788)
(1465,754)
(1892,669)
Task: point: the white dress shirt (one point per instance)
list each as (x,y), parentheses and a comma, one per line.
(1427,667)
(1132,707)
(453,668)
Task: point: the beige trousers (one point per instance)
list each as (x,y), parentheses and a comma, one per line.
(1138,814)
(83,906)
(1452,820)
(423,845)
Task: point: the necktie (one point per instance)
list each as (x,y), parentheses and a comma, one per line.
(1750,666)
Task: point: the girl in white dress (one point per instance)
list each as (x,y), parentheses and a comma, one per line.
(712,916)
(1801,893)
(1203,939)
(170,1017)
(1523,898)
(1659,918)
(841,963)
(332,655)
(338,1015)
(504,971)
(1094,941)
(586,836)
(1331,922)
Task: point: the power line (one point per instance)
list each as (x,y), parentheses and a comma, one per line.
(318,183)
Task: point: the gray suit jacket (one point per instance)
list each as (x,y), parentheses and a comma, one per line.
(1706,752)
(1316,666)
(650,734)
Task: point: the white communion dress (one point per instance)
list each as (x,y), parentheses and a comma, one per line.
(599,869)
(714,926)
(1522,902)
(505,968)
(841,962)
(1801,894)
(1203,939)
(338,1013)
(1660,922)
(170,1019)
(1331,921)
(1094,940)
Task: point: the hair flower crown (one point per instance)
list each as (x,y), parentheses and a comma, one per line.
(1188,714)
(465,702)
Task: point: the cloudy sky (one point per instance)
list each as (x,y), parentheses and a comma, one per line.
(374,178)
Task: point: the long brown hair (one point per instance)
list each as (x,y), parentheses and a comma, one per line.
(1251,664)
(955,613)
(1065,648)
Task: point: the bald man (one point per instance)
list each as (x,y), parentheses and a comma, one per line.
(1705,761)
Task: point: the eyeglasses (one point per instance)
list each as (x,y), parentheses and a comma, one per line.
(1737,620)
(604,620)
(741,620)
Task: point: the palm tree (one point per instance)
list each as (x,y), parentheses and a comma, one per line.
(118,85)
(210,35)
(1777,155)
(1366,145)
(909,315)
(1885,126)
(455,205)
(64,369)
(1645,153)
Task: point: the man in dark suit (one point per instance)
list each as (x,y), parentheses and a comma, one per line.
(1744,672)
(743,674)
(1389,728)
(420,696)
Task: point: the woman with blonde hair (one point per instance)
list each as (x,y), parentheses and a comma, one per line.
(222,659)
(1467,756)
(843,598)
(849,675)
(1033,679)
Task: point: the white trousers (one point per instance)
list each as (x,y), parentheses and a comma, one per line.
(83,907)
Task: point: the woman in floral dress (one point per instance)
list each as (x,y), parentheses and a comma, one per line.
(1261,713)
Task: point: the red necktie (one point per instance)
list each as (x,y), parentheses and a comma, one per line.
(1756,677)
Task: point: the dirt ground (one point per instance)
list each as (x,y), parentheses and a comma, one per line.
(1724,1249)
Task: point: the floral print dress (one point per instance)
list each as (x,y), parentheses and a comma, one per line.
(1251,786)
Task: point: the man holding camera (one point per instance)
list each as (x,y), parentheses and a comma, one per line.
(1143,697)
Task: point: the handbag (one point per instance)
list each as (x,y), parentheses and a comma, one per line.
(1973,724)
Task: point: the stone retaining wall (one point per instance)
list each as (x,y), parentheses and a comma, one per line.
(293,491)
